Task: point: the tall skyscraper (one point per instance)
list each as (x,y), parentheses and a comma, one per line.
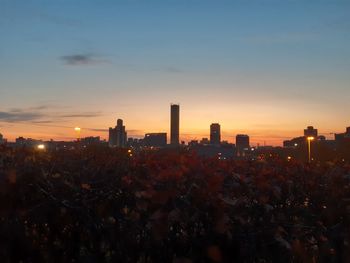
(215,134)
(174,124)
(242,143)
(117,135)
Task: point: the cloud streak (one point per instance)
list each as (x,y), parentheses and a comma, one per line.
(39,115)
(82,60)
(171,69)
(19,116)
(82,115)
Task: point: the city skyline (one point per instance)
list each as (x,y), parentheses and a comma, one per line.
(263,68)
(117,137)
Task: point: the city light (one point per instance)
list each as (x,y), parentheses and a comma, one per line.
(41,147)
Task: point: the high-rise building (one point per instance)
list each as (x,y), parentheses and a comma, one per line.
(174,124)
(155,139)
(117,135)
(310,132)
(242,143)
(215,134)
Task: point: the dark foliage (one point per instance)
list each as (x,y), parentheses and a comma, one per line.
(103,205)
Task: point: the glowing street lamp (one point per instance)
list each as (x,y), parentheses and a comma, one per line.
(41,147)
(77,130)
(309,139)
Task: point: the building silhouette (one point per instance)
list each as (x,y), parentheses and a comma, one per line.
(302,140)
(91,140)
(2,140)
(204,141)
(215,134)
(155,139)
(342,137)
(174,124)
(27,142)
(310,132)
(117,135)
(295,142)
(242,144)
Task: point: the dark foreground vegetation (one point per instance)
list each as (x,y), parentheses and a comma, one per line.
(103,205)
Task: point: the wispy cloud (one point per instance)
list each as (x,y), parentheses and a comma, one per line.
(96,130)
(40,107)
(41,114)
(171,69)
(19,116)
(43,122)
(82,60)
(82,115)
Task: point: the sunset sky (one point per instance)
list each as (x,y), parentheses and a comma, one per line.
(267,68)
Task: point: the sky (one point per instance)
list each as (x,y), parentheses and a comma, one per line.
(267,68)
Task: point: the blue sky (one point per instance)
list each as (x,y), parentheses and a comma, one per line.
(265,67)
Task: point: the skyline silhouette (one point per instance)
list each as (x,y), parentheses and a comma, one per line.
(118,136)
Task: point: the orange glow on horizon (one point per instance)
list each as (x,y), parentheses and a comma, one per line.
(265,126)
(261,137)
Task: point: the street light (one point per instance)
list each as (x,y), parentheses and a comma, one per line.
(309,139)
(41,147)
(78,129)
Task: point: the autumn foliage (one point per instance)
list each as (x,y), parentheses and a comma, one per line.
(103,205)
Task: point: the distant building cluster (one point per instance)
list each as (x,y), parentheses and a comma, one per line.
(118,135)
(322,148)
(207,147)
(27,142)
(155,140)
(213,146)
(311,132)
